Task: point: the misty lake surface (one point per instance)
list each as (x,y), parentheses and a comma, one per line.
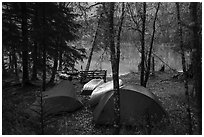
(130,58)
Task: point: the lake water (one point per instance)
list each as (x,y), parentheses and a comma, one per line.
(130,58)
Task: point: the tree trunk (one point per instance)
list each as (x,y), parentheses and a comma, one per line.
(44,65)
(150,50)
(115,59)
(54,69)
(143,46)
(60,60)
(10,61)
(15,62)
(197,63)
(153,66)
(24,26)
(118,35)
(44,50)
(93,45)
(35,48)
(34,74)
(190,131)
(3,63)
(114,70)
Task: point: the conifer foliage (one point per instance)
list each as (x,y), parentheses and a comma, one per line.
(30,28)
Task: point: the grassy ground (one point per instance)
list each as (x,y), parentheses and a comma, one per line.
(170,92)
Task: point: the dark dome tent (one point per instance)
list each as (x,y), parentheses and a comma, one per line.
(136,103)
(61,98)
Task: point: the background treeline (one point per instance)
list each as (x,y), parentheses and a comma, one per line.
(65,30)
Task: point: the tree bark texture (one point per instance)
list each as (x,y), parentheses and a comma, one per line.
(54,69)
(115,67)
(3,64)
(10,60)
(151,47)
(35,46)
(93,45)
(60,60)
(197,63)
(153,66)
(44,49)
(15,61)
(24,26)
(118,35)
(190,131)
(34,73)
(143,46)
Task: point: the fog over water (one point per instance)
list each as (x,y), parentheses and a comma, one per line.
(130,58)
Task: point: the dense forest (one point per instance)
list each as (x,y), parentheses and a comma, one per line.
(45,43)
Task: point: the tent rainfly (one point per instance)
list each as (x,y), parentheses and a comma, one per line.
(61,98)
(137,104)
(100,90)
(90,86)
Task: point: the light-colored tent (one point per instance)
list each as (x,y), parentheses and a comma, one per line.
(100,90)
(136,104)
(61,98)
(90,86)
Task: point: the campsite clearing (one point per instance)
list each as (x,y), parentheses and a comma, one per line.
(169,91)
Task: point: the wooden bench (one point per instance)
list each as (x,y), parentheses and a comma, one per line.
(86,76)
(66,75)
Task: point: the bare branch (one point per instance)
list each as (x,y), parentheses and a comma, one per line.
(133,19)
(151,46)
(133,28)
(98,3)
(119,32)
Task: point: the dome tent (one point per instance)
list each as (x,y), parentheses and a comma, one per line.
(101,90)
(136,103)
(61,98)
(90,86)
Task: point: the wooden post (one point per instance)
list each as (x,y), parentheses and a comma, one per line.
(105,76)
(93,74)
